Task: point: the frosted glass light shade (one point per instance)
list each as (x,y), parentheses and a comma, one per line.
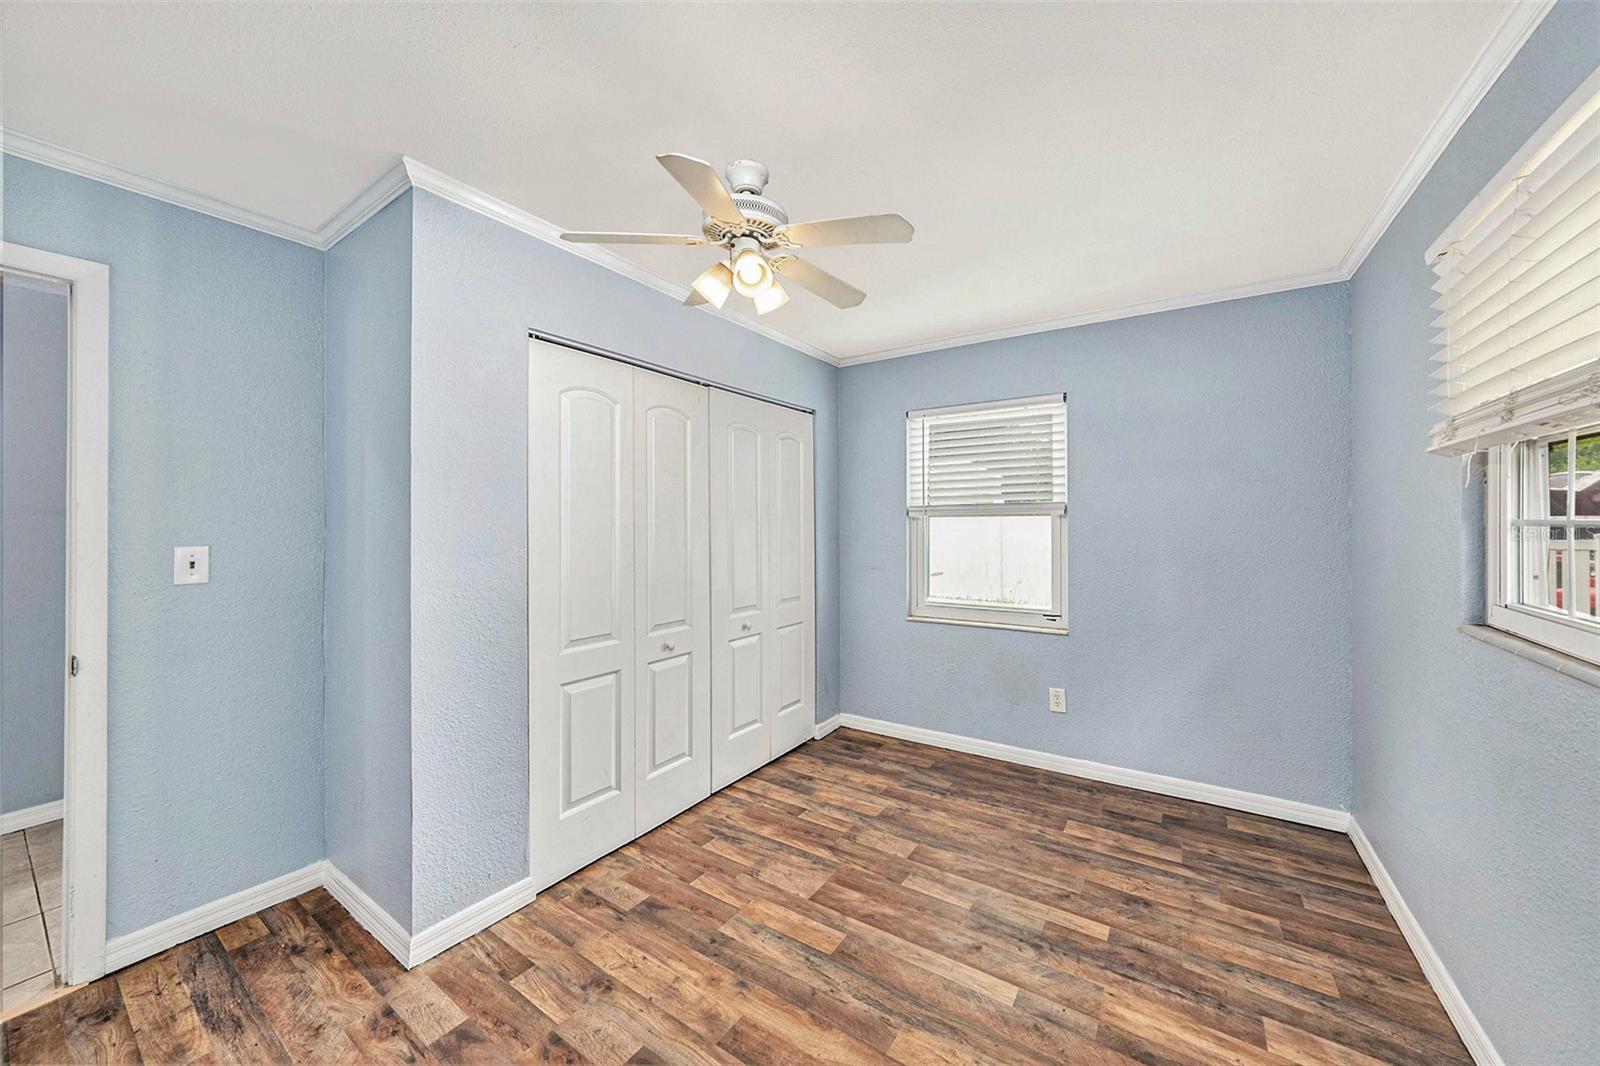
(715,284)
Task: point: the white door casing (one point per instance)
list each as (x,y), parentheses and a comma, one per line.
(86,751)
(672,596)
(581,622)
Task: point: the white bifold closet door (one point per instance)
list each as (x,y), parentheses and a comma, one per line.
(672,596)
(763,678)
(581,645)
(619,629)
(671,623)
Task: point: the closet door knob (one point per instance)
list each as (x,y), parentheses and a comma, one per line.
(745,628)
(668,646)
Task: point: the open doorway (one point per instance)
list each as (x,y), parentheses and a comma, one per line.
(35,333)
(53,475)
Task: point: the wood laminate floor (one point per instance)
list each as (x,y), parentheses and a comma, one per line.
(859,900)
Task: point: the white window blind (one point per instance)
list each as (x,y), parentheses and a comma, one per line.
(1009,455)
(1519,292)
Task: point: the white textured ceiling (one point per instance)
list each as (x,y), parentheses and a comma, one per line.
(1057,160)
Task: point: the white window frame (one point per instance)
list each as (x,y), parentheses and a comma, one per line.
(921,607)
(1564,632)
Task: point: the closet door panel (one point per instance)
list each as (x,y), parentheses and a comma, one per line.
(741,684)
(791,581)
(669,738)
(581,666)
(673,579)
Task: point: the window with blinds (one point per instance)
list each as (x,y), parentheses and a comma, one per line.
(986,504)
(1010,454)
(1519,292)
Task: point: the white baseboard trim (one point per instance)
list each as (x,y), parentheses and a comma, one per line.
(442,935)
(29,817)
(383,926)
(1472,1033)
(1232,798)
(126,950)
(408,950)
(448,932)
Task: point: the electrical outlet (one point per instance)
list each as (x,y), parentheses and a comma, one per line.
(1058,700)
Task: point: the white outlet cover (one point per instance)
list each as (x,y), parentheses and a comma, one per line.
(191,565)
(1058,700)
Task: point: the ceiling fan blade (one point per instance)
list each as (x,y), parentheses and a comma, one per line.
(819,281)
(699,179)
(862,229)
(685,239)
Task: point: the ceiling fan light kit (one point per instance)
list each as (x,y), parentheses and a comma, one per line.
(739,217)
(714,285)
(771,298)
(751,272)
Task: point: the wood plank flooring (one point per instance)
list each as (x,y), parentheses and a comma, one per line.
(861,900)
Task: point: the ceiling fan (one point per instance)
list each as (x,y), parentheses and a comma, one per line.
(752,227)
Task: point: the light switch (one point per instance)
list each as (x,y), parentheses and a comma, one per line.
(191,566)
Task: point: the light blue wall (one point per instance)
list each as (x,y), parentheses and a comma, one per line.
(479,287)
(215,692)
(33,544)
(1208,548)
(1478,772)
(367,606)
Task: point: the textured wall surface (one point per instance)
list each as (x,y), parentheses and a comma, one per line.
(367,624)
(215,691)
(479,287)
(33,542)
(1208,548)
(1478,772)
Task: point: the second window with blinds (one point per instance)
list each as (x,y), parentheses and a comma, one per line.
(1519,375)
(986,510)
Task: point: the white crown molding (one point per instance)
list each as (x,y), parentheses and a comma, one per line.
(1508,38)
(1513,31)
(1234,799)
(28,817)
(1471,1031)
(425,177)
(1087,318)
(86,166)
(126,950)
(368,202)
(405,174)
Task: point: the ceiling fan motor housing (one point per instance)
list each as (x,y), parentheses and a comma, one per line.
(746,179)
(746,175)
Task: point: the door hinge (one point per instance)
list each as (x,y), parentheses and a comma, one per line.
(72,666)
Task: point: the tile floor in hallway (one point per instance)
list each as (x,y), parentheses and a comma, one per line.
(30,936)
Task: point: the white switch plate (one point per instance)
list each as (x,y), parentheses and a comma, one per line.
(192,565)
(1058,700)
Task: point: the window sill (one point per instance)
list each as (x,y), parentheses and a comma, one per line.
(1565,665)
(1015,627)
